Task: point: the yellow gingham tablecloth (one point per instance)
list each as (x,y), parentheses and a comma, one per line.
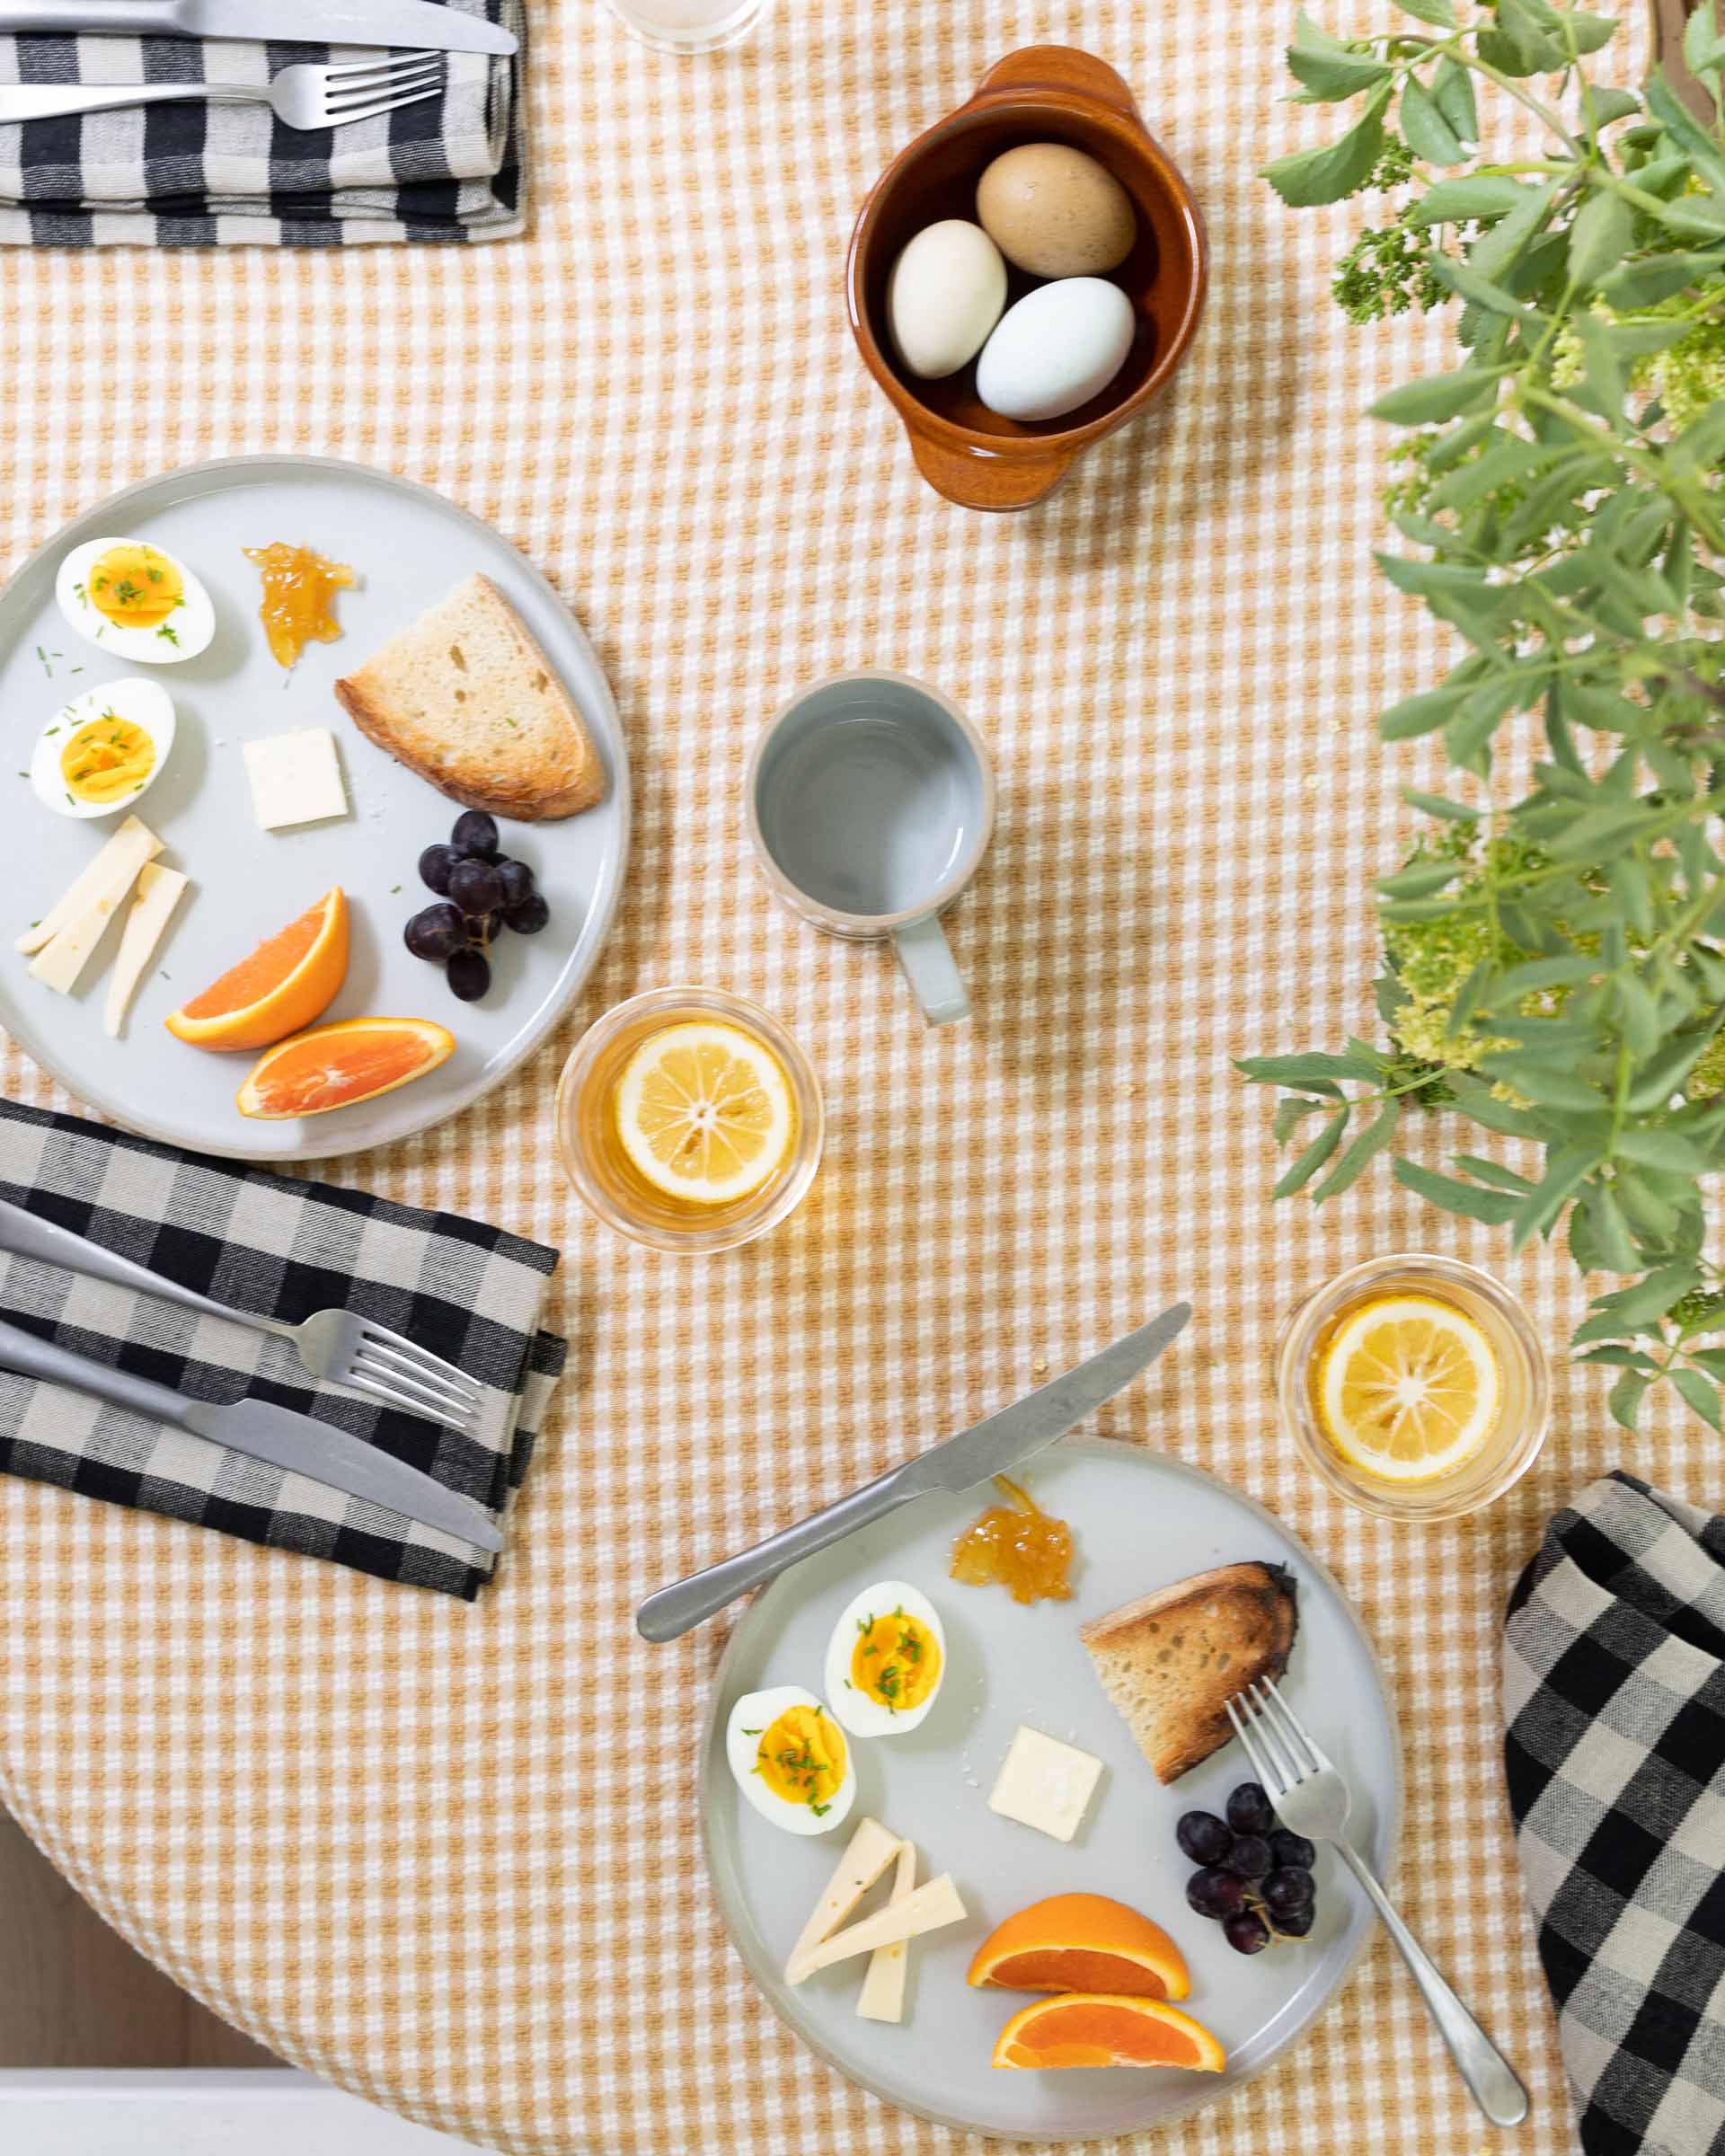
(410,1844)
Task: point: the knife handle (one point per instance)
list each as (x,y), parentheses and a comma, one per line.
(57,1365)
(678,1608)
(119,18)
(28,1235)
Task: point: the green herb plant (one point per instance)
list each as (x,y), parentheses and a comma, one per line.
(1555,962)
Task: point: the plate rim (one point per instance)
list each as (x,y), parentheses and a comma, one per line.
(1201,2099)
(608,897)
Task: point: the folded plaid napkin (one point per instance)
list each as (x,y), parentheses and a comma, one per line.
(284,1248)
(1614,1699)
(201,175)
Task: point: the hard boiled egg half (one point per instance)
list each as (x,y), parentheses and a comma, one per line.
(100,751)
(790,1759)
(885,1660)
(136,601)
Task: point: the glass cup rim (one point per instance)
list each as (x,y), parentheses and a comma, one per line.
(735,27)
(1301,1325)
(782,1200)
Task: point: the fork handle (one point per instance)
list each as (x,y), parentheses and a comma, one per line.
(28,1235)
(1489,2075)
(48,100)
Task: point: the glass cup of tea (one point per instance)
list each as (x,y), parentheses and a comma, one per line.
(689,25)
(1415,1386)
(689,1119)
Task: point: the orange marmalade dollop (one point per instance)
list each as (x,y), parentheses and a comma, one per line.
(297,588)
(1018,1546)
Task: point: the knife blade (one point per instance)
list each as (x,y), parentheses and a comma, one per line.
(989,1447)
(280,1436)
(419,24)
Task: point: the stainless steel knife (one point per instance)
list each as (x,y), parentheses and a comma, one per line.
(415,24)
(263,1431)
(990,1448)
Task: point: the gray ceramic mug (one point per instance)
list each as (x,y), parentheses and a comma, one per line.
(870,804)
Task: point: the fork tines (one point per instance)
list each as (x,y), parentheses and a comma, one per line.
(364,83)
(392,1369)
(1281,1752)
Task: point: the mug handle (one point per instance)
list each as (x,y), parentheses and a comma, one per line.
(926,957)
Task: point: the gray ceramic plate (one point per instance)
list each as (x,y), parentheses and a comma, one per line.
(1140,1520)
(409,547)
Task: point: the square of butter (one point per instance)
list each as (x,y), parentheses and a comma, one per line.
(1045,1784)
(295,778)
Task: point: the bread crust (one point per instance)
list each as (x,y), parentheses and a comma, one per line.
(1252,1606)
(538,789)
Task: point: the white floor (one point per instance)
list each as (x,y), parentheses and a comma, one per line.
(264,2113)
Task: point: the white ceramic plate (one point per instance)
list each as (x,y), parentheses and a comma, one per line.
(409,547)
(1140,1521)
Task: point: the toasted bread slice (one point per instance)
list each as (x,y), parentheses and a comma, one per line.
(1171,1661)
(468,700)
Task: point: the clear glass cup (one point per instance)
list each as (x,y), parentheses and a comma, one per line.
(604,1177)
(1524,1406)
(689,25)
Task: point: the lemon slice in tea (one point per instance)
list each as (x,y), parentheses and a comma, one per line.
(704,1113)
(1408,1388)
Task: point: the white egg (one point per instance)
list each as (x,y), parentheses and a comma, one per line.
(945,293)
(1059,347)
(98,754)
(886,1660)
(755,1743)
(135,601)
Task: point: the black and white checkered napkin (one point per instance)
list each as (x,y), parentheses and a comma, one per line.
(284,1248)
(202,176)
(1614,1698)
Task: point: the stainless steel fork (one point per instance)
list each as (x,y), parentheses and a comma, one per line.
(1312,1799)
(333,1344)
(302,97)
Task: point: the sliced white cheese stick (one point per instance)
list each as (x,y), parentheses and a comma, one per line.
(110,875)
(158,892)
(867,1855)
(927,1909)
(65,959)
(883,1996)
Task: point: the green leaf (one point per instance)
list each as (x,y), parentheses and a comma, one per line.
(1306,1069)
(1435,804)
(1370,1141)
(1538,1212)
(1625,1398)
(1612,1246)
(1622,1358)
(1610,104)
(1460,201)
(1308,177)
(1685,131)
(1599,238)
(1654,1147)
(1419,878)
(1702,1394)
(1422,714)
(1492,253)
(1467,1199)
(1315,1154)
(1452,91)
(1704,43)
(1695,217)
(1469,283)
(1436,397)
(1291,1112)
(1427,132)
(1548,1084)
(1662,1076)
(1633,1308)
(1326,68)
(1438,13)
(1494,1173)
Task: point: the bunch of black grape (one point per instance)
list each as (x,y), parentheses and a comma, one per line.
(482,892)
(1257,1877)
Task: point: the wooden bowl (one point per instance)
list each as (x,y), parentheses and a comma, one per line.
(1042,94)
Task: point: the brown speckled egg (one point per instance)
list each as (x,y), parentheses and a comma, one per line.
(1055,212)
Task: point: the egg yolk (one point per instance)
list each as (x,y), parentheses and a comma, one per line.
(107,759)
(134,588)
(801,1758)
(895,1661)
(297,588)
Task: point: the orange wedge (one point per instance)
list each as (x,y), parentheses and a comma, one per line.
(1081,1942)
(285,983)
(335,1066)
(1106,2028)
